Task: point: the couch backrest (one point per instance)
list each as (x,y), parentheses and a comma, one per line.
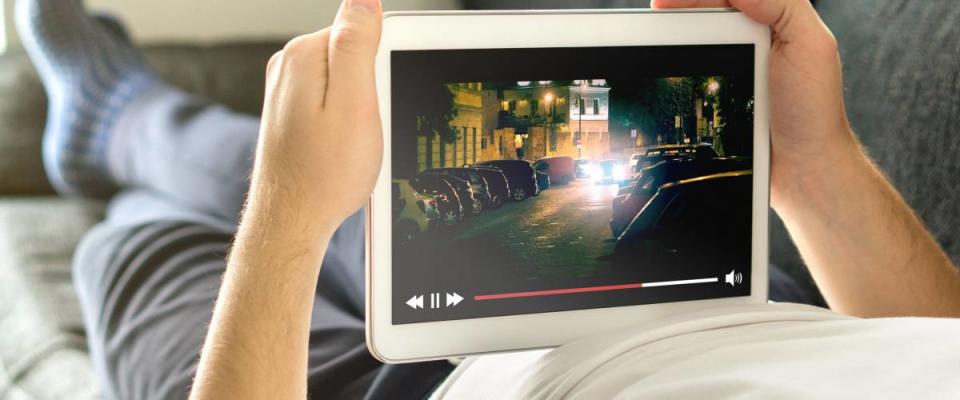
(232,74)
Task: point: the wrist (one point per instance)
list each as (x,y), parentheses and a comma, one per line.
(806,178)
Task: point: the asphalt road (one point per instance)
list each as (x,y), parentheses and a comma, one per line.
(563,233)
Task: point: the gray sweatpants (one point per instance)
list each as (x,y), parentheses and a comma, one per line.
(148,275)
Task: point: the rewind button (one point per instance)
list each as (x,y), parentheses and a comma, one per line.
(416,302)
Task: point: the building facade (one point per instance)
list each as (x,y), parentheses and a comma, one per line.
(466,148)
(529,120)
(544,118)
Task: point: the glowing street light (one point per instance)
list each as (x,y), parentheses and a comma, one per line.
(713,86)
(548,99)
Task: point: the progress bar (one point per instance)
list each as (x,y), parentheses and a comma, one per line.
(591,289)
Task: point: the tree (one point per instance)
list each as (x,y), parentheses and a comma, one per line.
(650,105)
(735,107)
(435,110)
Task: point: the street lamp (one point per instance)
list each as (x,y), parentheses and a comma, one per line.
(548,99)
(580,107)
(713,86)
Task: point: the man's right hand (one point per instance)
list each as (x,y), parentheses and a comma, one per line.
(809,129)
(868,252)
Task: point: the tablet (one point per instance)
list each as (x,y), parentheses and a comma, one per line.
(554,174)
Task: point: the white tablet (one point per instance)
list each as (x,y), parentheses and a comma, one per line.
(554,174)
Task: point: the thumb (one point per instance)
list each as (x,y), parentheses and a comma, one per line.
(789,19)
(354,39)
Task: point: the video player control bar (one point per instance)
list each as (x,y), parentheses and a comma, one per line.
(733,278)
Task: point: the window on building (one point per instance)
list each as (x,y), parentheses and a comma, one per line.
(512,106)
(534,107)
(596,106)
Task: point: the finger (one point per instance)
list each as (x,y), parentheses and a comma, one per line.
(689,3)
(789,19)
(354,39)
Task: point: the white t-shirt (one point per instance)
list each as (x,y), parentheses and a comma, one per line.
(765,351)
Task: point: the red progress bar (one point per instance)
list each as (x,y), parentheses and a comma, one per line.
(589,289)
(554,292)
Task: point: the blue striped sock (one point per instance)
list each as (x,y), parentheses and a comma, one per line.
(90,72)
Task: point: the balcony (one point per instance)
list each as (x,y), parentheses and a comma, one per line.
(521,123)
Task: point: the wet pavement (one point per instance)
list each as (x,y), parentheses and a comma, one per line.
(560,234)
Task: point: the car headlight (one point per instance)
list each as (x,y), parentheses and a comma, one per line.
(618,173)
(593,171)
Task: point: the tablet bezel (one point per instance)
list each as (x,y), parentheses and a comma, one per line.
(527,29)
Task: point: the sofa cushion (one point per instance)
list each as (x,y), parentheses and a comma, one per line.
(42,348)
(232,74)
(22,115)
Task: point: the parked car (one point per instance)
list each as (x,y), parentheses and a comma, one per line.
(561,169)
(628,203)
(520,175)
(471,203)
(691,226)
(634,159)
(582,168)
(701,151)
(448,202)
(481,189)
(411,212)
(610,171)
(543,182)
(497,184)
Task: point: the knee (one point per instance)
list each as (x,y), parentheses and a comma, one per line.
(93,258)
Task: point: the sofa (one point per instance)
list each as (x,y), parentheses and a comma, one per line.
(902,65)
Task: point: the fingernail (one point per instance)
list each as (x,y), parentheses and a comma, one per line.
(364,5)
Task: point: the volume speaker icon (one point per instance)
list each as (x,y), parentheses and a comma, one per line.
(734,278)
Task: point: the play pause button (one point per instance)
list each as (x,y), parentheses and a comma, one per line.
(434,300)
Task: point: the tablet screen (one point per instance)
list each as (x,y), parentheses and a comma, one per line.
(554,179)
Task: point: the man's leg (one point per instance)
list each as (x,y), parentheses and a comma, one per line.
(147,288)
(148,275)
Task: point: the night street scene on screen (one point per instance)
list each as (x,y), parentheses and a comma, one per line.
(544,186)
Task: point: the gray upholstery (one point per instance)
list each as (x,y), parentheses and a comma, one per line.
(22,116)
(42,347)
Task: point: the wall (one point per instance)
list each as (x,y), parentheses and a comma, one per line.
(220,20)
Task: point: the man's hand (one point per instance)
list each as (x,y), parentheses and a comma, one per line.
(317,160)
(320,140)
(809,128)
(868,252)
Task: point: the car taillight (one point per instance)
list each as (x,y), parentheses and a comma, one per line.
(442,197)
(433,203)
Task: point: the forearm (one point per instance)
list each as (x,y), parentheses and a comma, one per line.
(257,344)
(869,253)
